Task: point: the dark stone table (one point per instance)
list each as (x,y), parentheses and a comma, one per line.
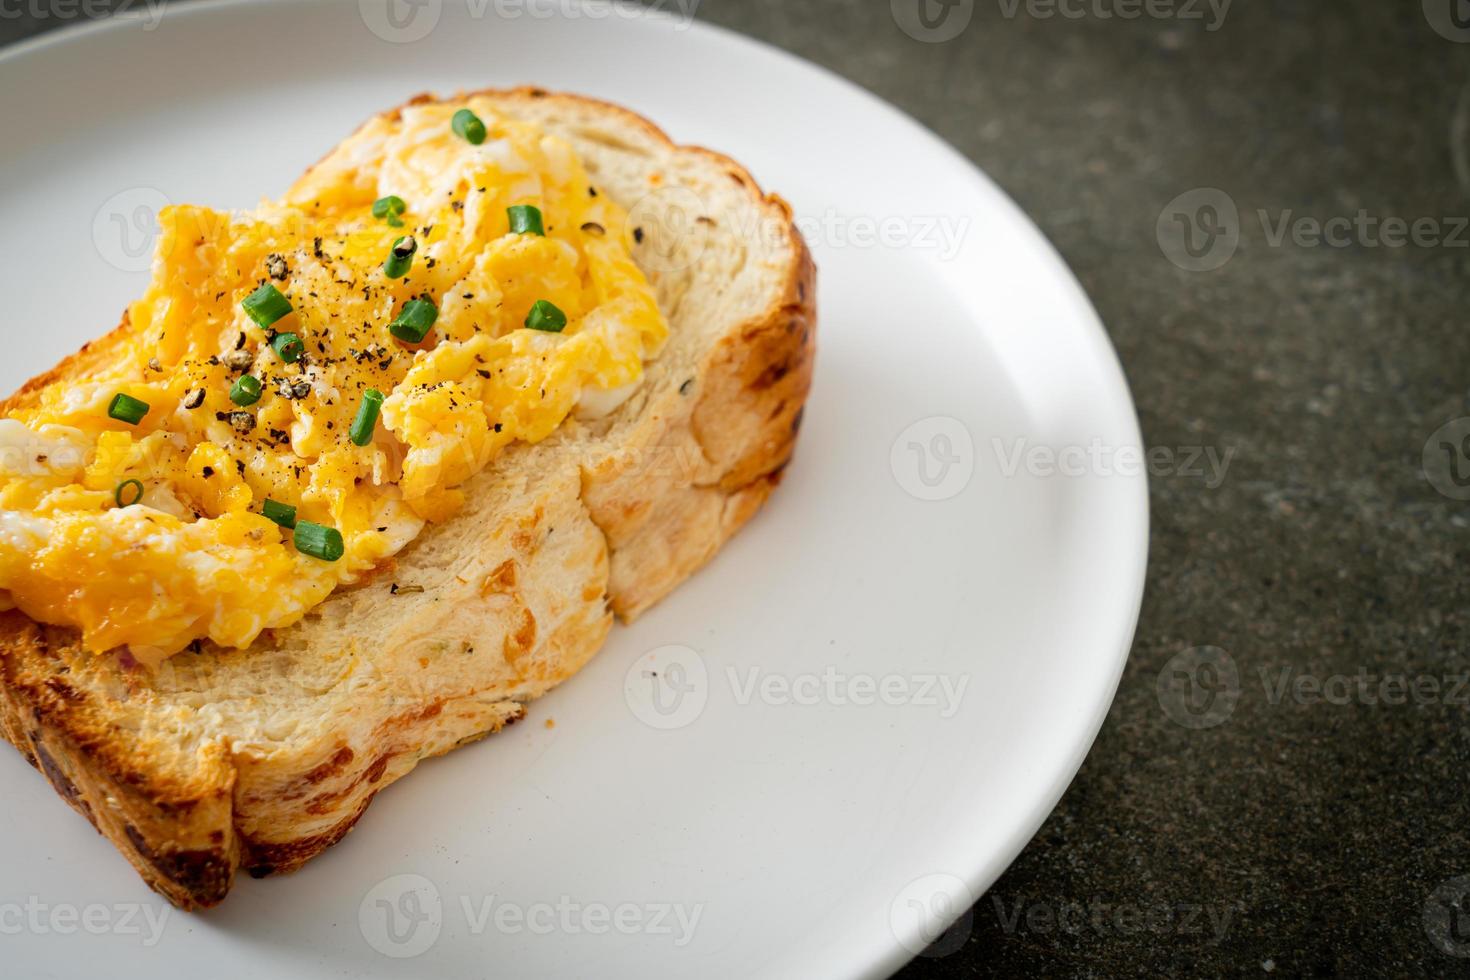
(1281,786)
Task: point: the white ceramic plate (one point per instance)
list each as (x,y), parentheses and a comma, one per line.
(864,708)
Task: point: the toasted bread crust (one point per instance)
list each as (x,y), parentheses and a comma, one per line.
(177,835)
(638,532)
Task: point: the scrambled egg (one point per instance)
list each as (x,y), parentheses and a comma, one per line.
(153,534)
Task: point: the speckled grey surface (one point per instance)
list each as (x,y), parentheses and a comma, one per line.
(1267,830)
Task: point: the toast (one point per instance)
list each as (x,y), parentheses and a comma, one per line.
(262,758)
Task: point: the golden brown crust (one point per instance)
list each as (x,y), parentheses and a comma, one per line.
(187,824)
(178,834)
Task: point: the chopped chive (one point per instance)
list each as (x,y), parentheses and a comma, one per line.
(525,220)
(319,541)
(122,492)
(266,305)
(367,417)
(545,316)
(400,257)
(414,321)
(245,390)
(126,408)
(282,514)
(288,347)
(390,208)
(468,125)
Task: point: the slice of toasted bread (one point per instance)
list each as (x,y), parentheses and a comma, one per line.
(262,758)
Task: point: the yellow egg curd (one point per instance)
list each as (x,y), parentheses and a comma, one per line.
(222,464)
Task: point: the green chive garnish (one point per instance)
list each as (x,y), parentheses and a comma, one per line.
(282,514)
(400,257)
(127,409)
(288,347)
(414,321)
(319,541)
(468,125)
(545,316)
(245,390)
(390,208)
(525,220)
(367,417)
(266,305)
(124,497)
